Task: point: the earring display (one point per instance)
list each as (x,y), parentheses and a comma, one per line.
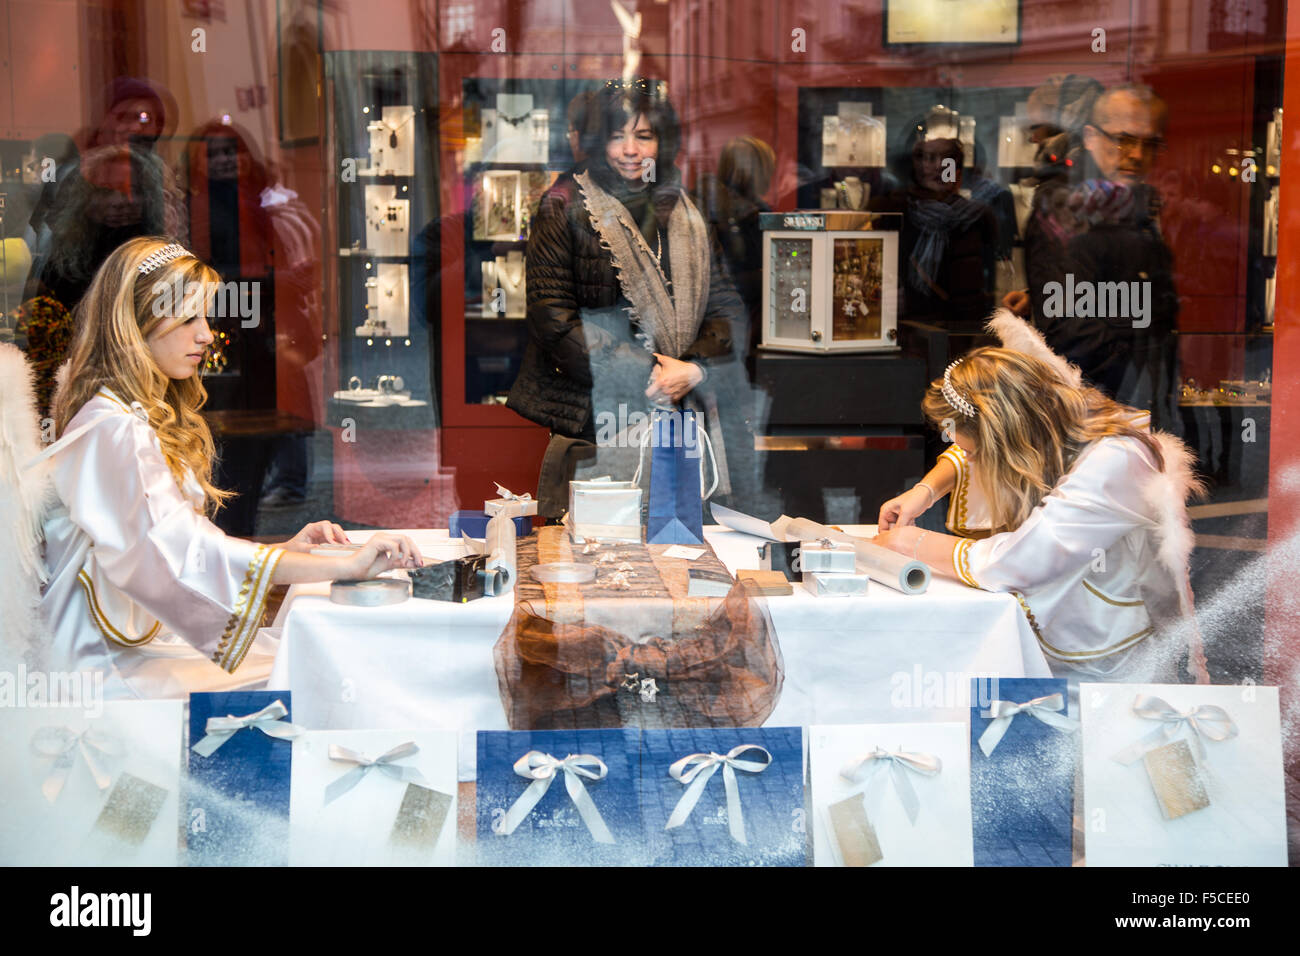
(391,142)
(1271,222)
(387,295)
(387,221)
(853,137)
(491,302)
(966,135)
(1015,149)
(514,132)
(510,280)
(1273,144)
(855,282)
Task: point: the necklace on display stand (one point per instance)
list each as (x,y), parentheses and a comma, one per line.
(504,274)
(393,130)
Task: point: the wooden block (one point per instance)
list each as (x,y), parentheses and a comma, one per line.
(854,834)
(1176,781)
(768,583)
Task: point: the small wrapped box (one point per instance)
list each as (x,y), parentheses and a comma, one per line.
(509,503)
(827,555)
(604,510)
(821,584)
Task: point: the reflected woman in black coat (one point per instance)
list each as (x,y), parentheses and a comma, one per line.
(628,306)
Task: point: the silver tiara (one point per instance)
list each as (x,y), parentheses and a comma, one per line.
(163,256)
(953,397)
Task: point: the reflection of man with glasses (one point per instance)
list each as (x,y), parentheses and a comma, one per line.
(1100,273)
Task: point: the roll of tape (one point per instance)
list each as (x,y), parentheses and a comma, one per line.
(374,592)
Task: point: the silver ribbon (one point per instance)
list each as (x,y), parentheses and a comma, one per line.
(384,762)
(60,742)
(267,720)
(1207,720)
(505,494)
(864,769)
(541,769)
(696,769)
(1002,712)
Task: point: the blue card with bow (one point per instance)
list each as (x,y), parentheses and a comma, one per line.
(559,798)
(1024,750)
(238,789)
(724,797)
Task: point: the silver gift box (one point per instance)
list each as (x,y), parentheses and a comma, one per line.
(604,510)
(826,555)
(835,585)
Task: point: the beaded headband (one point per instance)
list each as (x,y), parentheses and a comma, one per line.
(951,394)
(163,256)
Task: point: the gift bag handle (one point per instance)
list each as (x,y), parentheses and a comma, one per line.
(708,450)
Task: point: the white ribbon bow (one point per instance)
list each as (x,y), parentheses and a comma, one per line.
(364,765)
(900,762)
(1207,720)
(267,720)
(506,494)
(541,768)
(59,743)
(1002,712)
(696,769)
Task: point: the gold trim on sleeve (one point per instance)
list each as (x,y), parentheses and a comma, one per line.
(106,628)
(249,605)
(961,561)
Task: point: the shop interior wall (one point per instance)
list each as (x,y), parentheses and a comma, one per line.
(733,69)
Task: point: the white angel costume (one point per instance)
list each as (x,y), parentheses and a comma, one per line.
(1100,567)
(141,584)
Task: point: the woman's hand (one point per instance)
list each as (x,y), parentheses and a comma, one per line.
(905,509)
(1018,301)
(672,379)
(901,540)
(383,552)
(314,534)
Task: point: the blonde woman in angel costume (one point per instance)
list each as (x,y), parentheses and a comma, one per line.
(140,583)
(1064,498)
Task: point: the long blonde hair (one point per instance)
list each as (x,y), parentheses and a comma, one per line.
(1029,426)
(113,320)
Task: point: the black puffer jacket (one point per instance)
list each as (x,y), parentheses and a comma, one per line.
(578,329)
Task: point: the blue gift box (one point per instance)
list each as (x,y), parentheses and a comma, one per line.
(772,801)
(553,832)
(1022,795)
(238,798)
(474,524)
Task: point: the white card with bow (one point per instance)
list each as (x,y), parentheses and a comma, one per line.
(343,815)
(63,766)
(941,833)
(1240,814)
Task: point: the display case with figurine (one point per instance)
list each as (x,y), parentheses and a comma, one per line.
(830,281)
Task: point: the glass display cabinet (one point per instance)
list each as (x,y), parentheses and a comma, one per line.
(830,281)
(384,138)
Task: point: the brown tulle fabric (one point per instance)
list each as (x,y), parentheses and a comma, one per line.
(725,671)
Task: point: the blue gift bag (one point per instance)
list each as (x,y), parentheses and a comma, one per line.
(679,446)
(1022,793)
(238,796)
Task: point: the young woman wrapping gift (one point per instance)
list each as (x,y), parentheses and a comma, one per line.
(1065,499)
(141,584)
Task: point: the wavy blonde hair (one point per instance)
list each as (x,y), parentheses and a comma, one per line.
(1029,427)
(114,320)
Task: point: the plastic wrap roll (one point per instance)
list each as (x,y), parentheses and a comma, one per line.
(890,568)
(373,592)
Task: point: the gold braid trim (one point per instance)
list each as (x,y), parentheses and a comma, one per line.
(252,598)
(112,634)
(961,561)
(1120,645)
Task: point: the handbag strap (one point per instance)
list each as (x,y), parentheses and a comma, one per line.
(706,452)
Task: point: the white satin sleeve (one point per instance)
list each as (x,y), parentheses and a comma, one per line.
(149,542)
(1094,506)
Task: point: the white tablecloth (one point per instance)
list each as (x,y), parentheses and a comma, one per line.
(882,657)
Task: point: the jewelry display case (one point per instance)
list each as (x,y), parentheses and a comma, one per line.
(830,281)
(384,137)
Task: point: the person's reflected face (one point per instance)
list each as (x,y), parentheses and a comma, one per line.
(131,118)
(1124,139)
(629,148)
(223,159)
(929,167)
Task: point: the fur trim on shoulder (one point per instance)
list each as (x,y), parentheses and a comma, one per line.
(1015,333)
(25,495)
